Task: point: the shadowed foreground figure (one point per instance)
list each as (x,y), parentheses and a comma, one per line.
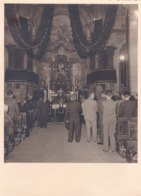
(100,118)
(13,109)
(128,107)
(42,114)
(7,118)
(72,115)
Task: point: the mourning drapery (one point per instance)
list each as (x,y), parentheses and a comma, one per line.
(100,36)
(97,29)
(20,33)
(37,47)
(14,75)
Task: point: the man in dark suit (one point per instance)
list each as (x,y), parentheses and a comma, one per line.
(42,111)
(72,115)
(100,118)
(127,108)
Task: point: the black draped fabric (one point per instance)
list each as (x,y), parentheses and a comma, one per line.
(97,29)
(74,17)
(19,30)
(103,75)
(36,48)
(25,34)
(100,36)
(18,75)
(96,33)
(24,29)
(13,23)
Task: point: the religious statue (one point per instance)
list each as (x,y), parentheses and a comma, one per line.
(61,50)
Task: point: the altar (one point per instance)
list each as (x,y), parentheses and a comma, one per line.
(58,102)
(60,87)
(57,113)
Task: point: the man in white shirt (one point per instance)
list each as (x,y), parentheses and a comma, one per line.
(109,121)
(89,111)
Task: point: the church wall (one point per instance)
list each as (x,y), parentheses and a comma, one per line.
(133,52)
(61,36)
(117,39)
(8,40)
(19,89)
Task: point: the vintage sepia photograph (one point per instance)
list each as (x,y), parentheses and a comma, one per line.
(70,83)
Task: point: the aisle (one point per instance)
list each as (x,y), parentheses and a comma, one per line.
(50,146)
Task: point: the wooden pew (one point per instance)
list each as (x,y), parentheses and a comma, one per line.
(122,135)
(132,140)
(9,134)
(126,138)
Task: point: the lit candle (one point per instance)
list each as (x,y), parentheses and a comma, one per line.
(88,33)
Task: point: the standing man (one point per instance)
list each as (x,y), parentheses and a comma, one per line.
(98,91)
(72,116)
(89,111)
(12,104)
(127,108)
(100,118)
(109,121)
(42,111)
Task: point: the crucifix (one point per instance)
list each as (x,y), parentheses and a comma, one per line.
(60,92)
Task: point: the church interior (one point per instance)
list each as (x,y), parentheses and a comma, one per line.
(55,50)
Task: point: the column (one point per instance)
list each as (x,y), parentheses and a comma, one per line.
(15,57)
(133,48)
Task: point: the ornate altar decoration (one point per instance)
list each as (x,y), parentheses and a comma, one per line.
(61,75)
(60,86)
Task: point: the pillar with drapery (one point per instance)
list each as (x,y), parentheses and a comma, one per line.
(101,33)
(37,47)
(85,48)
(19,30)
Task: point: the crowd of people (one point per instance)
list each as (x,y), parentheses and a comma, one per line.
(35,110)
(100,112)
